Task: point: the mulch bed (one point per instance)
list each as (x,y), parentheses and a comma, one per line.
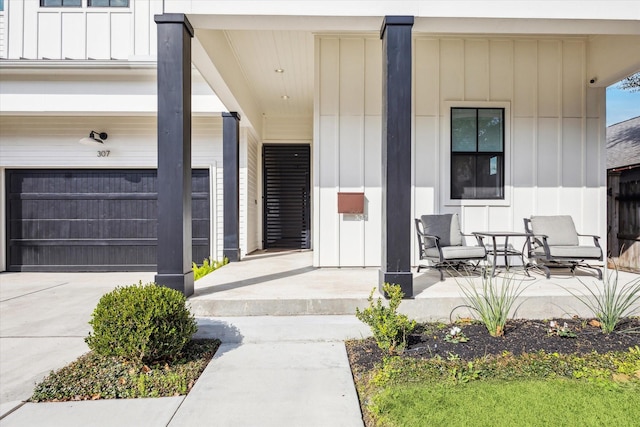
(521,336)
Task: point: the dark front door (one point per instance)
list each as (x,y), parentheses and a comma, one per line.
(92,220)
(287,207)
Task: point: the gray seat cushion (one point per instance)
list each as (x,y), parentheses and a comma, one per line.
(445,226)
(457,252)
(559,229)
(570,252)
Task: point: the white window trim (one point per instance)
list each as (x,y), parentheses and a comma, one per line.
(445,180)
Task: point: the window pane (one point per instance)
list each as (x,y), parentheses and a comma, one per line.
(490,129)
(463,172)
(60,3)
(463,129)
(1,4)
(489,177)
(108,3)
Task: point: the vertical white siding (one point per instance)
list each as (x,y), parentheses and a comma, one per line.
(347,150)
(3,34)
(249,238)
(554,148)
(78,32)
(253,220)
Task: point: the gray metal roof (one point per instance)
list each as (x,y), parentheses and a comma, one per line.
(623,144)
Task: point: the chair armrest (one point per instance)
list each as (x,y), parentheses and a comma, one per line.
(436,239)
(479,238)
(536,239)
(596,239)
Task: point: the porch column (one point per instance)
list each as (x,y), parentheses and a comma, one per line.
(396,153)
(174,152)
(231,182)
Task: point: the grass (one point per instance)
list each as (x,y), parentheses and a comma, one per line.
(93,377)
(532,389)
(509,403)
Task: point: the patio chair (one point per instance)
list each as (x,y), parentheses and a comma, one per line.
(554,242)
(441,242)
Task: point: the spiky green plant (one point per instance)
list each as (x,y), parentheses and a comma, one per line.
(494,301)
(610,303)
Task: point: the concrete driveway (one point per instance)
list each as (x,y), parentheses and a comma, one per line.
(43,322)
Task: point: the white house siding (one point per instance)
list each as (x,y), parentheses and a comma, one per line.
(347,149)
(249,219)
(32,142)
(3,34)
(254,219)
(80,32)
(554,148)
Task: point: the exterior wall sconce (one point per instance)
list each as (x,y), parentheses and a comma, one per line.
(94,138)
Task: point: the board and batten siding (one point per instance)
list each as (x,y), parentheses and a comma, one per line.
(554,151)
(249,220)
(80,32)
(32,142)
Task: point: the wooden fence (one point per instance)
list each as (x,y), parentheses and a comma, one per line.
(623,211)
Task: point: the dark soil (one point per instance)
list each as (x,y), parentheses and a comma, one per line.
(521,336)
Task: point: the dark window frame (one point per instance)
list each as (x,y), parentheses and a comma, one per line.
(477,156)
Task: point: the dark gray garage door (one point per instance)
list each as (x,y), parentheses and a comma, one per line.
(92,220)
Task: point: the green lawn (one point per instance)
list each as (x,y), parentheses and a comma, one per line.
(557,402)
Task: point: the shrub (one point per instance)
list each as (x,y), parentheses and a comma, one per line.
(390,329)
(493,303)
(613,303)
(141,323)
(208,265)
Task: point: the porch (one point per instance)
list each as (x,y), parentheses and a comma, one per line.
(286,283)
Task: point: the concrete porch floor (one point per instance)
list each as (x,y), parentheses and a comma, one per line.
(286,283)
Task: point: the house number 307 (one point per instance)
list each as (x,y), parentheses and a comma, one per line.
(104,153)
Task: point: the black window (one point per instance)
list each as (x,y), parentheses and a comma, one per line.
(477,153)
(108,3)
(61,3)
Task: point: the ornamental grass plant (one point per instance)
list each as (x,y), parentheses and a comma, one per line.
(610,303)
(494,301)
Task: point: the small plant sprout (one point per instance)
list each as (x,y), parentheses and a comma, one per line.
(563,331)
(455,336)
(612,303)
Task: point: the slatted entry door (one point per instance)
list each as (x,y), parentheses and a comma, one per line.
(287,204)
(92,220)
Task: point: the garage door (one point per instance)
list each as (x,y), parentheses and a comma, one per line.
(92,220)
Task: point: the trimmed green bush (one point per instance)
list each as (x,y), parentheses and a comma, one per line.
(390,329)
(141,323)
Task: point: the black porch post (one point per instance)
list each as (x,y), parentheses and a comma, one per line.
(231,181)
(396,153)
(174,152)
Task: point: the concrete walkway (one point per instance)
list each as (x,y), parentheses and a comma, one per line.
(270,371)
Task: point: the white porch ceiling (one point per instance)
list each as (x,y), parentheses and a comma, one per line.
(258,45)
(261,53)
